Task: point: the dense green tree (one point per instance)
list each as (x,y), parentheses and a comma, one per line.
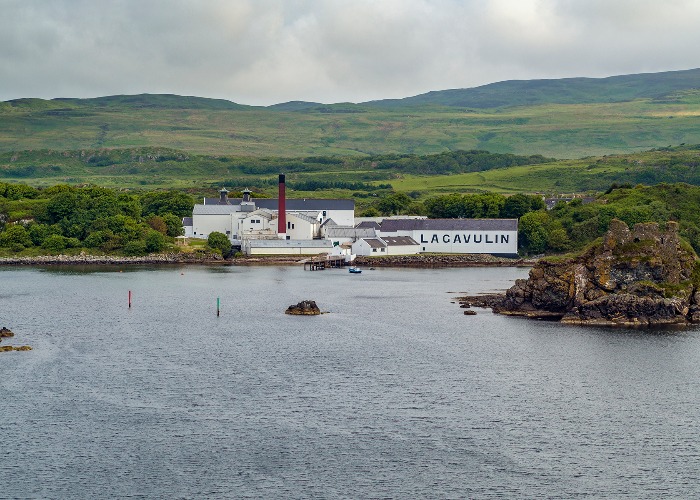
(533,233)
(39,232)
(157,223)
(219,241)
(517,205)
(134,248)
(162,202)
(16,237)
(57,242)
(394,204)
(370,212)
(155,241)
(173,225)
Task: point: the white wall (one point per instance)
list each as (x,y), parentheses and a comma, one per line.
(341,217)
(202,225)
(402,249)
(361,247)
(300,229)
(499,242)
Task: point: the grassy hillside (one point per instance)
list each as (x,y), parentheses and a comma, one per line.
(559,91)
(568,118)
(557,130)
(362,177)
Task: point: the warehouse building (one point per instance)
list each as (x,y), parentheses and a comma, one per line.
(490,236)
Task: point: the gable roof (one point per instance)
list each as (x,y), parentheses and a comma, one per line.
(394,225)
(375,242)
(304,216)
(215,209)
(393,241)
(369,223)
(349,232)
(293,203)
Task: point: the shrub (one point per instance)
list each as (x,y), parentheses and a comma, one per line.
(219,241)
(15,236)
(55,243)
(135,247)
(155,242)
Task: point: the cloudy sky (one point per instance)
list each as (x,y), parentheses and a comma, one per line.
(270,51)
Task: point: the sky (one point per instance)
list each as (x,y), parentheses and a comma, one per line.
(262,52)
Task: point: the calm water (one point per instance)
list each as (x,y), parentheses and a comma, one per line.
(393,394)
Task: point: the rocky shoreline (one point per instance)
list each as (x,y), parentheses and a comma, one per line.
(172,258)
(416,261)
(639,277)
(443,260)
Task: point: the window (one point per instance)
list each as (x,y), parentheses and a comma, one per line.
(289,225)
(324,213)
(292,226)
(382,249)
(374,249)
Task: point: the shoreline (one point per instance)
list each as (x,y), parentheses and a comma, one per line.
(414,261)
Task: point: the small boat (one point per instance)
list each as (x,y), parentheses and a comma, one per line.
(354,270)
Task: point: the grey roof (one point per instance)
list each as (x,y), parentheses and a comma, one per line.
(187,221)
(393,225)
(369,223)
(215,209)
(349,232)
(291,244)
(266,214)
(294,203)
(329,222)
(392,241)
(375,242)
(305,216)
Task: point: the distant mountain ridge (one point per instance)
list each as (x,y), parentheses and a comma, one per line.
(557,91)
(508,93)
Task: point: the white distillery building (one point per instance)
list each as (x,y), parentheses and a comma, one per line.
(490,236)
(247,218)
(386,245)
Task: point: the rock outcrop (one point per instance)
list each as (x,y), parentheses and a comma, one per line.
(6,332)
(304,308)
(639,277)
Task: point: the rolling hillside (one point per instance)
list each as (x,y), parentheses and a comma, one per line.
(560,91)
(568,118)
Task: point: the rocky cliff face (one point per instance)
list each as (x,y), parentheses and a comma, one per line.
(642,276)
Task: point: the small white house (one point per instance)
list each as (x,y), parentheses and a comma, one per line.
(401,245)
(369,247)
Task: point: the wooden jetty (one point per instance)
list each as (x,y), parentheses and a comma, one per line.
(322,261)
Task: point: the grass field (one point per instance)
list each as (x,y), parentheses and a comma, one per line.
(553,130)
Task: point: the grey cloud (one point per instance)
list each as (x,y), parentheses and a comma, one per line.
(267,51)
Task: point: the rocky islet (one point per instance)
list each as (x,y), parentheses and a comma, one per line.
(639,277)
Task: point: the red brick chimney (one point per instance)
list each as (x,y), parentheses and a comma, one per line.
(281,210)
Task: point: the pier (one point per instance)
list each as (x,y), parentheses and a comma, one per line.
(322,261)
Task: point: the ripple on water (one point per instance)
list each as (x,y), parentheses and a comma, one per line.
(393,394)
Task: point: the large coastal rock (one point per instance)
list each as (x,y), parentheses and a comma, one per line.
(639,277)
(304,308)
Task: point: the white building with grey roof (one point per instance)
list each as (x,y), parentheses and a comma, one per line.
(489,236)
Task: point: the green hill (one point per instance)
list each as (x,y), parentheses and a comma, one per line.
(568,118)
(560,91)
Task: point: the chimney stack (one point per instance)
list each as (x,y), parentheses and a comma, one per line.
(223,196)
(281,210)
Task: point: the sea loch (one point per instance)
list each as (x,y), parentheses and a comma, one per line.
(392,393)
